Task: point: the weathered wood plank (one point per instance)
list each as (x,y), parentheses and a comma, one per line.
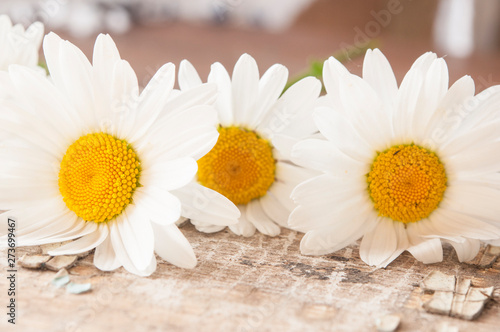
(245,284)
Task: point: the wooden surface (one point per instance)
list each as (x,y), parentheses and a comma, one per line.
(257,283)
(245,284)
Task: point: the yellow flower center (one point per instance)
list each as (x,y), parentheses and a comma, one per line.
(241,165)
(98,176)
(406,183)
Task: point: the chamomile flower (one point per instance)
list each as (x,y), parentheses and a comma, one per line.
(96,160)
(250,164)
(19,46)
(403,168)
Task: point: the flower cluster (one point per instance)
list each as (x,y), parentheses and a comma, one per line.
(89,159)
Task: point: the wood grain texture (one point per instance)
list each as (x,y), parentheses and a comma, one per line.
(244,284)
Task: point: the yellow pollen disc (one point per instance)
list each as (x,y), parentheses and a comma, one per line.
(241,165)
(406,183)
(98,176)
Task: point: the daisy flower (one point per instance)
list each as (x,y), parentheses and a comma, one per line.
(250,164)
(96,160)
(404,168)
(19,46)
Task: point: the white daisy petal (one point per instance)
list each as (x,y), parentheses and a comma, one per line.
(137,235)
(51,49)
(19,46)
(340,234)
(219,76)
(357,97)
(172,246)
(403,244)
(491,180)
(270,88)
(49,225)
(495,243)
(105,257)
(256,215)
(133,244)
(76,80)
(461,91)
(434,88)
(243,227)
(41,138)
(204,94)
(473,200)
(426,251)
(424,62)
(458,224)
(159,205)
(26,156)
(274,209)
(291,114)
(313,190)
(124,99)
(432,227)
(379,244)
(83,244)
(467,250)
(206,227)
(337,129)
(121,252)
(206,205)
(245,88)
(291,174)
(478,161)
(333,71)
(406,104)
(79,229)
(322,155)
(378,73)
(312,215)
(407,100)
(154,99)
(468,141)
(170,175)
(188,76)
(105,56)
(189,132)
(194,143)
(476,111)
(14,190)
(282,192)
(44,96)
(283,146)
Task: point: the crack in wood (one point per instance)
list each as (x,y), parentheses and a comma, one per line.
(454,296)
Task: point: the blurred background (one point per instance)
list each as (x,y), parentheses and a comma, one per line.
(292,32)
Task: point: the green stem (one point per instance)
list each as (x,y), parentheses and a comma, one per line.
(44,66)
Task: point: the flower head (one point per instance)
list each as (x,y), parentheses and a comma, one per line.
(97,160)
(19,46)
(403,168)
(258,124)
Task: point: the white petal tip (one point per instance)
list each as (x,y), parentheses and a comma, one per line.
(189,264)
